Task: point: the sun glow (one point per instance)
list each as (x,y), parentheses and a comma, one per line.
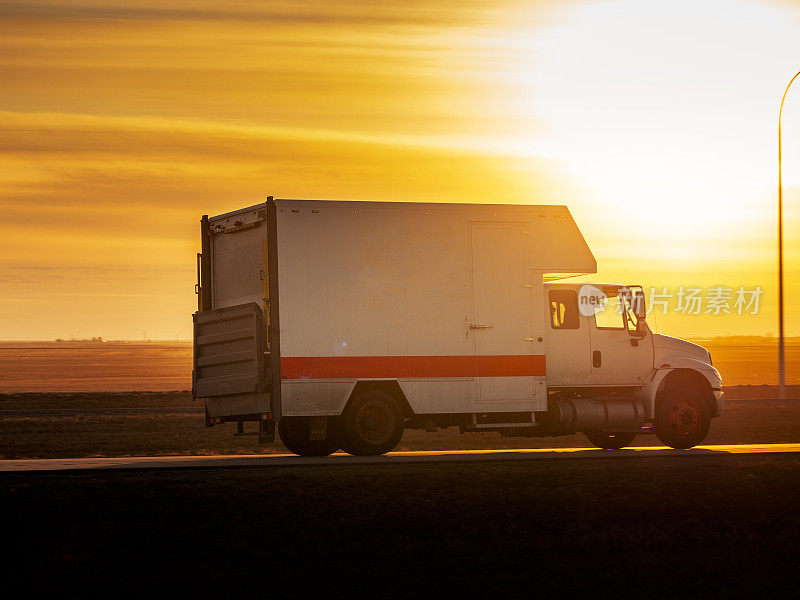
(666,112)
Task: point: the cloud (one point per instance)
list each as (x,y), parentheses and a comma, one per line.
(87,155)
(60,132)
(285,13)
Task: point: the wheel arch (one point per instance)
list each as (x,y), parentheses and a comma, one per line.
(389,386)
(686,378)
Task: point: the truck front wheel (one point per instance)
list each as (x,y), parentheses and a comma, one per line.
(295,435)
(610,441)
(682,418)
(371,424)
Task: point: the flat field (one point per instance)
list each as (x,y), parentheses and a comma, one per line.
(167,366)
(752,360)
(95,366)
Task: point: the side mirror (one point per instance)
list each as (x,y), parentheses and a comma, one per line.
(640,312)
(639,308)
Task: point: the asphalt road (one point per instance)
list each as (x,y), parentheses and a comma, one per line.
(425,456)
(704,523)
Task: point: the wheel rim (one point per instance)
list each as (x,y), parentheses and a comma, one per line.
(375,423)
(685,418)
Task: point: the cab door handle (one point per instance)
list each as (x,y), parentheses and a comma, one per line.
(597,359)
(479,326)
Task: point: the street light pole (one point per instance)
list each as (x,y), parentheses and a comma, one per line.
(781,341)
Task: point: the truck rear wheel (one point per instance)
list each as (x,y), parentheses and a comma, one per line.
(682,418)
(610,441)
(294,432)
(371,424)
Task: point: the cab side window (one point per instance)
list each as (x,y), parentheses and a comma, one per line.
(564,309)
(611,315)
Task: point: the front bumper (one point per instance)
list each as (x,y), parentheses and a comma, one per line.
(719,402)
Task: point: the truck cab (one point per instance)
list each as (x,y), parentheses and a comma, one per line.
(600,344)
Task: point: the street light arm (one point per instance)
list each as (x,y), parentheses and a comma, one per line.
(784,96)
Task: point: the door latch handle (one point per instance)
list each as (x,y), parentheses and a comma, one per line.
(479,326)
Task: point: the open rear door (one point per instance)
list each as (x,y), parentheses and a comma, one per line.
(231,367)
(236,329)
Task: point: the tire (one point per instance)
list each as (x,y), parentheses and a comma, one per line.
(371,424)
(610,441)
(682,418)
(295,436)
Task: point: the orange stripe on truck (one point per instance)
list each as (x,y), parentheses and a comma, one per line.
(394,367)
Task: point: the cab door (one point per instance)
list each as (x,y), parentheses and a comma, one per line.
(568,341)
(617,357)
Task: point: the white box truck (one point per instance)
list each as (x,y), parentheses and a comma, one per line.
(343,323)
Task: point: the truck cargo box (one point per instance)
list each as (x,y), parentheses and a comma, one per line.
(443,299)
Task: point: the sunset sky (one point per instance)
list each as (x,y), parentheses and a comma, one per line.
(123,122)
